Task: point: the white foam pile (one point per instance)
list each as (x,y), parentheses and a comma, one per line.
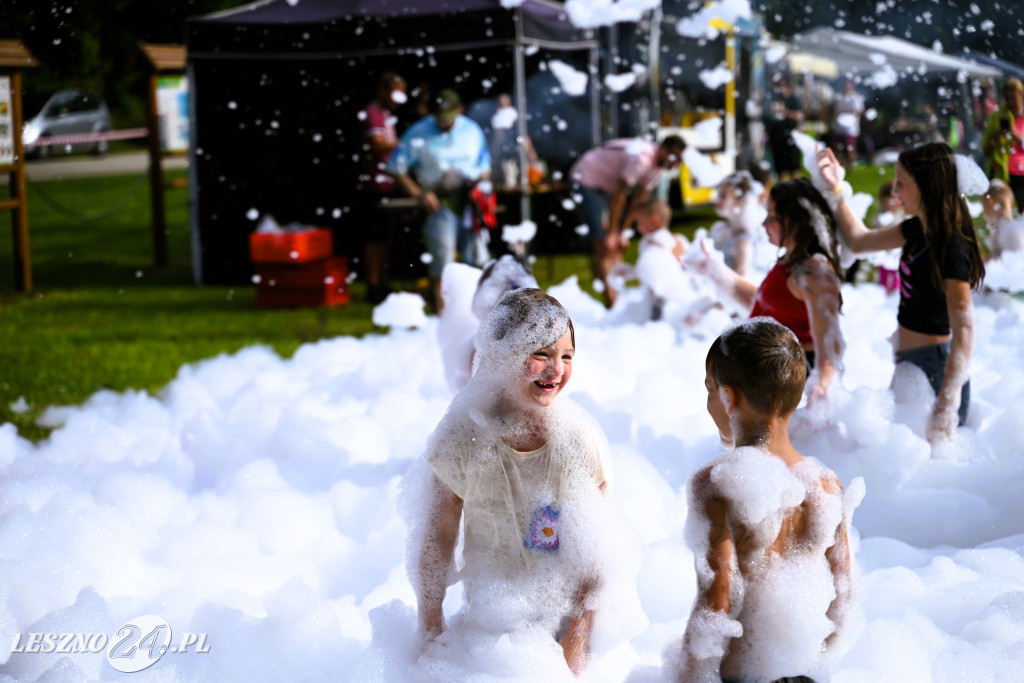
(254,500)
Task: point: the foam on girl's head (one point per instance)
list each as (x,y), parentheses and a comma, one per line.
(522,321)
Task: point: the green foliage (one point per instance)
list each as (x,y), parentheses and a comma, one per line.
(94,44)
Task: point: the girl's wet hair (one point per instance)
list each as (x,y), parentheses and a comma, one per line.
(523,321)
(799,206)
(933,168)
(764,361)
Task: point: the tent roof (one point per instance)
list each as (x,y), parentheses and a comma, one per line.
(345,27)
(860,53)
(1008,68)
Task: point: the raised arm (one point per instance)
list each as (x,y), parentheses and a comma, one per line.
(944,417)
(437,557)
(855,234)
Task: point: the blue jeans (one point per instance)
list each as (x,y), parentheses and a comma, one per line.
(932,359)
(444,235)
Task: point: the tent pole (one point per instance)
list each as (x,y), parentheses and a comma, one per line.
(612,66)
(521,131)
(519,66)
(195,239)
(595,99)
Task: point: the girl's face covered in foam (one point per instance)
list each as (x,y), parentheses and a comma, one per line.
(545,373)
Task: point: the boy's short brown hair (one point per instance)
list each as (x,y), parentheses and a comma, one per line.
(655,207)
(764,361)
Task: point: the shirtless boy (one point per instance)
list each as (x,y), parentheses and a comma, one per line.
(768,527)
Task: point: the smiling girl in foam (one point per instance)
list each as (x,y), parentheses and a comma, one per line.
(524,475)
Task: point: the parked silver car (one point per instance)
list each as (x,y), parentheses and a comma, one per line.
(64,112)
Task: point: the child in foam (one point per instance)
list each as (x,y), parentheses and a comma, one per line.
(738,203)
(470,294)
(940,264)
(671,292)
(519,471)
(1006,234)
(769,528)
(801,291)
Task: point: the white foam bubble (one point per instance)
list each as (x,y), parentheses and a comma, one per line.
(255,498)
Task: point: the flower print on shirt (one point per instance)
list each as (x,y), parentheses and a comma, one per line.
(542,534)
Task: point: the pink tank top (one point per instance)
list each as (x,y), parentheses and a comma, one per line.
(1016,164)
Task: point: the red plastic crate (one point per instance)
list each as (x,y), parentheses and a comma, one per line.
(302,275)
(290,247)
(317,283)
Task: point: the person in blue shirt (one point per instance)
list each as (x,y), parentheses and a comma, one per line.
(438,161)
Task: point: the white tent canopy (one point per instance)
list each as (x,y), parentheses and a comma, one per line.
(883,57)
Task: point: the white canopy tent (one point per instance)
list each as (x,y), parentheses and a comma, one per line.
(883,59)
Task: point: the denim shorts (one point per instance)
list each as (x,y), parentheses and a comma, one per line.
(445,235)
(932,360)
(593,210)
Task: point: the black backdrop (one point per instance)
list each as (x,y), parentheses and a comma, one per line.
(276,89)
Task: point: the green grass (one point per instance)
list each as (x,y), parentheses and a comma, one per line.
(102,317)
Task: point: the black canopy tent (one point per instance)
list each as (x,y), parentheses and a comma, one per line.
(276,87)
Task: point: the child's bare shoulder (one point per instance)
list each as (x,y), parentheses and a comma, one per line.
(830,482)
(815,470)
(817,269)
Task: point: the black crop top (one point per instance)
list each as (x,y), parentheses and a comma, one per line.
(922,306)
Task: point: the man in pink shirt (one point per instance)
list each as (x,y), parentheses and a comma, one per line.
(613,179)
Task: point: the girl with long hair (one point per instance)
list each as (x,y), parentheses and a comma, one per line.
(801,291)
(939,265)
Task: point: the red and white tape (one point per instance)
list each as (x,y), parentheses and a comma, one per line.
(79,138)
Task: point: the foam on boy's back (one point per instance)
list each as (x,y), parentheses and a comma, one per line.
(781,597)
